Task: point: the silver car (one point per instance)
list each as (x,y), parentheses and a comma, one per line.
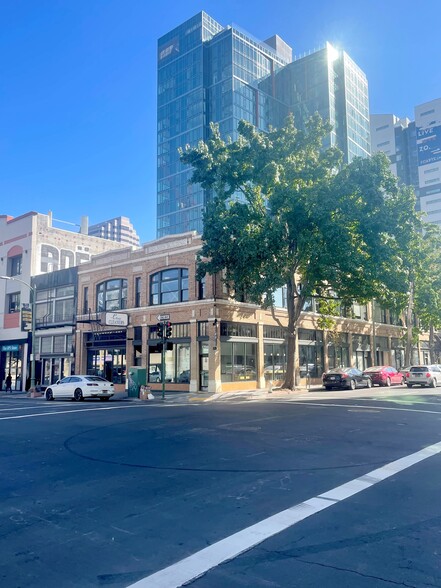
(424,375)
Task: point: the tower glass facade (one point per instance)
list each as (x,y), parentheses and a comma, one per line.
(210,73)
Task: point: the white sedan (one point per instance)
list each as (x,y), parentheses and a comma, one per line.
(80,387)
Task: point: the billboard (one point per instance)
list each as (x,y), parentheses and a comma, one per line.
(428,145)
(26,318)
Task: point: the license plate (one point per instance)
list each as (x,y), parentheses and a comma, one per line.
(332,377)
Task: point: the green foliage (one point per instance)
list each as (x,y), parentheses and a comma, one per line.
(284,211)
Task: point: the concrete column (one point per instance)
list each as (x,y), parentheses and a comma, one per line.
(194,356)
(325,351)
(145,347)
(260,357)
(214,360)
(129,348)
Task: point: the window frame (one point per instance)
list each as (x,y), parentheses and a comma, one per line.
(160,294)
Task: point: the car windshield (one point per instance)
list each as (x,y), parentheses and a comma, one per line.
(374,368)
(419,369)
(339,371)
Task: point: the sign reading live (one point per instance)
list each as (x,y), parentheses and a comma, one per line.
(26,318)
(429,145)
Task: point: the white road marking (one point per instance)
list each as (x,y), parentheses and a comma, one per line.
(31,416)
(367,408)
(202,561)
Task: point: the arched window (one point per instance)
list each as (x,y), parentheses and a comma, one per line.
(111,295)
(168,286)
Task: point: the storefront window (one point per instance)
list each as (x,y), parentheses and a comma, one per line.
(274,361)
(176,363)
(311,353)
(107,363)
(338,351)
(238,361)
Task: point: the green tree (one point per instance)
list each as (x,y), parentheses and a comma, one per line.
(285,212)
(427,284)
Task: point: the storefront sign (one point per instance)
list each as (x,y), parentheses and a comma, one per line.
(10,347)
(26,319)
(116,319)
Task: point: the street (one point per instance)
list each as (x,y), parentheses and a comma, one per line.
(130,493)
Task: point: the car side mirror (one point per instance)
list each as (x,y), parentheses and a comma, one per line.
(57,382)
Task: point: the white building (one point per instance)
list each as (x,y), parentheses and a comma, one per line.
(414,150)
(29,246)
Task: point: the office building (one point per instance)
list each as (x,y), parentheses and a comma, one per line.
(211,73)
(216,343)
(414,150)
(116,229)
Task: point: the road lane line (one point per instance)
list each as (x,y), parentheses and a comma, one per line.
(196,565)
(365,407)
(31,416)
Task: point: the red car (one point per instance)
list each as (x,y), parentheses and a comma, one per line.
(384,375)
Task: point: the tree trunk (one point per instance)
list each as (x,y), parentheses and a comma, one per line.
(294,303)
(432,343)
(409,326)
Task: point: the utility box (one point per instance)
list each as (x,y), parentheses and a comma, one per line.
(137,378)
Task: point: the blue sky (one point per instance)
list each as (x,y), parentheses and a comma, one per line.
(78,87)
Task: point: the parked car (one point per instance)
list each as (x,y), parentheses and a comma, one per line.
(404,371)
(80,387)
(347,377)
(183,377)
(384,375)
(154,375)
(424,375)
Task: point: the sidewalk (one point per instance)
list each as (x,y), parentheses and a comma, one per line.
(314,392)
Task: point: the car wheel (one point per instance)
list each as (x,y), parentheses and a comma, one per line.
(328,387)
(369,383)
(433,383)
(388,382)
(409,385)
(78,395)
(403,381)
(49,394)
(352,385)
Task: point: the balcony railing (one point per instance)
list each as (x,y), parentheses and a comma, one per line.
(55,319)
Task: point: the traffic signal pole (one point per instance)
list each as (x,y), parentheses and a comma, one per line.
(164,347)
(164,332)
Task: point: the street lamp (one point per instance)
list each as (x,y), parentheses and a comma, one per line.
(32,289)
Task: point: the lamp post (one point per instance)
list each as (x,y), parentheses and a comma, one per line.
(32,302)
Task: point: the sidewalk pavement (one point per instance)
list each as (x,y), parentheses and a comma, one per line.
(313,392)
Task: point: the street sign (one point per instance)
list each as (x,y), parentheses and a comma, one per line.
(163,317)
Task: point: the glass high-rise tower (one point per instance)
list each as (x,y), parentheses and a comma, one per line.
(210,73)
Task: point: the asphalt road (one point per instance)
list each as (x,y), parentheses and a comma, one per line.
(108,495)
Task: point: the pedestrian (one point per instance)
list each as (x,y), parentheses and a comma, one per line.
(8,383)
